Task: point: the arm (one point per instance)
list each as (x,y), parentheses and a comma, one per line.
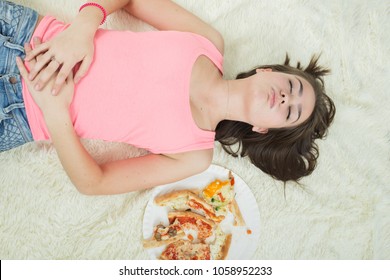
(166,15)
(119,176)
(114,177)
(81,34)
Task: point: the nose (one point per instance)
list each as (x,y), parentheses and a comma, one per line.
(284,97)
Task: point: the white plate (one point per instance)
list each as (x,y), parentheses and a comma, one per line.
(243,245)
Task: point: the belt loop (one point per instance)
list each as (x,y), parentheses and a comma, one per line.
(8,109)
(3,116)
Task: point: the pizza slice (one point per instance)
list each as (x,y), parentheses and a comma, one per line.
(186,250)
(183,200)
(219,194)
(163,235)
(193,221)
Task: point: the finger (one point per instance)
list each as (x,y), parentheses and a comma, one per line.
(44,59)
(38,48)
(44,76)
(65,72)
(83,69)
(27,49)
(37,42)
(22,69)
(40,64)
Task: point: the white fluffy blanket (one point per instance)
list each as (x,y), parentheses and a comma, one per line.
(341,213)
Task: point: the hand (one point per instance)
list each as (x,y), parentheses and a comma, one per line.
(58,57)
(44,99)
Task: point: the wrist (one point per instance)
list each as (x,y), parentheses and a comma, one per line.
(88,19)
(55,114)
(96,6)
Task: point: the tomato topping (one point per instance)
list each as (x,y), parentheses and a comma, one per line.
(204,229)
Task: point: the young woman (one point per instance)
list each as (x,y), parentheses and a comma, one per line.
(162,91)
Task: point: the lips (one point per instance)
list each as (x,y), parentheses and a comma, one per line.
(272,99)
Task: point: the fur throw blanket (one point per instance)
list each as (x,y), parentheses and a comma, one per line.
(340,212)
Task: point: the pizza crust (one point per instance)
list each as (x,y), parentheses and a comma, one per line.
(235,210)
(168,198)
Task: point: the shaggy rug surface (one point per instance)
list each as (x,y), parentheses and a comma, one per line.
(340,212)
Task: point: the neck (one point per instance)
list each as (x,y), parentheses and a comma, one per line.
(223,101)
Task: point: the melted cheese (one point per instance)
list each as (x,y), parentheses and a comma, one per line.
(185,250)
(217,246)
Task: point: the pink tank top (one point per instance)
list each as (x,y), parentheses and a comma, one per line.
(136,90)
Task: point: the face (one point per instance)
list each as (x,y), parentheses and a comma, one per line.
(279,100)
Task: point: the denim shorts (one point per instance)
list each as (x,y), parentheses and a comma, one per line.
(16,28)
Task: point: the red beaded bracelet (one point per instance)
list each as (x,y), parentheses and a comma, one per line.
(97,6)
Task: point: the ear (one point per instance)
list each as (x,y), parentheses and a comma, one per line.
(263,70)
(260,130)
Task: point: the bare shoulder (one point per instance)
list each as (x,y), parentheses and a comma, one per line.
(197,160)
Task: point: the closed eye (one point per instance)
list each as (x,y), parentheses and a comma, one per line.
(289,112)
(291,86)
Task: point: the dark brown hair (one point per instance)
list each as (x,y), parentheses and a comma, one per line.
(287,154)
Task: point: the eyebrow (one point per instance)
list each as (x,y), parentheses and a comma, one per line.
(300,87)
(300,105)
